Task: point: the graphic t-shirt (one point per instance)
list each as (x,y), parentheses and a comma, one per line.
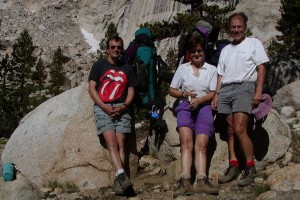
(112,80)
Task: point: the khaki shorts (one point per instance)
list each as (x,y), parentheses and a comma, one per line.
(236,97)
(105,122)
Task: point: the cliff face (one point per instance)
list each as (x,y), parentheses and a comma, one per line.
(53,23)
(94,16)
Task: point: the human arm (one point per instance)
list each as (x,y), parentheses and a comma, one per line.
(177,93)
(195,102)
(261,75)
(128,101)
(214,102)
(180,94)
(95,97)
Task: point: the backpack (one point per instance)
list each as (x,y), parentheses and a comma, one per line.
(149,69)
(210,32)
(215,51)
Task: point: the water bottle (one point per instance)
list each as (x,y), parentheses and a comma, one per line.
(154,114)
(8,171)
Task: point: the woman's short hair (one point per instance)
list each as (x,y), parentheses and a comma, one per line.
(194,40)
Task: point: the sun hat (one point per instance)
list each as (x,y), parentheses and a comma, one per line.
(204,27)
(263,107)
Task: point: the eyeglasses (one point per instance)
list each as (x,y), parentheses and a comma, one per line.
(196,50)
(118,47)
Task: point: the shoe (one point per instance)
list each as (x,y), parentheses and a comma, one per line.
(248,176)
(117,188)
(123,181)
(230,173)
(185,188)
(203,185)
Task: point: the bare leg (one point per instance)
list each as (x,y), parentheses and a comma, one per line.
(186,144)
(240,122)
(203,185)
(113,149)
(121,144)
(230,142)
(200,153)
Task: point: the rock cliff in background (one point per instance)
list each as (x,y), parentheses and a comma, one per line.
(53,23)
(94,16)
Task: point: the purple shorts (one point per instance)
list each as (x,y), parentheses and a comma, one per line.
(199,120)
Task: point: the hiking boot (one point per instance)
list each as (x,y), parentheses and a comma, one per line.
(117,188)
(248,176)
(185,188)
(230,173)
(123,181)
(205,186)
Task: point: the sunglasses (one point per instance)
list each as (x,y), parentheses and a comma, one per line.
(196,50)
(118,47)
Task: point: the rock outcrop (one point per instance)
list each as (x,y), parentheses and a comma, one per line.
(285,179)
(57,141)
(288,95)
(21,188)
(282,70)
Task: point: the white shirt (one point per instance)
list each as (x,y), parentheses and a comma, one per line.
(185,79)
(238,63)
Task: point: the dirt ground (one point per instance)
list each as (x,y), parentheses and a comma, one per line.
(152,187)
(161,186)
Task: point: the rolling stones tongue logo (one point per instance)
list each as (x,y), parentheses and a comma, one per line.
(113,84)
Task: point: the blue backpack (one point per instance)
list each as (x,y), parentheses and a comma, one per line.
(149,70)
(146,74)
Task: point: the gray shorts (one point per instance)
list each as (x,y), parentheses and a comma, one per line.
(236,97)
(105,123)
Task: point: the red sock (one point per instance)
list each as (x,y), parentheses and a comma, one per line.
(234,163)
(250,163)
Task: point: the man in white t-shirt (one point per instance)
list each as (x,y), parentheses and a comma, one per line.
(241,75)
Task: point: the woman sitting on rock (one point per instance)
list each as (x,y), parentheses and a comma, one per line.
(194,83)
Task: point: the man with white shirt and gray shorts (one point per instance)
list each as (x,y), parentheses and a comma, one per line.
(241,75)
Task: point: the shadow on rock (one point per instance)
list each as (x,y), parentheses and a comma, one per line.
(260,140)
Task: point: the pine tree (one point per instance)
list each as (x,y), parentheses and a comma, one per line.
(110,32)
(39,80)
(39,75)
(185,22)
(7,121)
(289,26)
(20,75)
(4,71)
(58,78)
(16,84)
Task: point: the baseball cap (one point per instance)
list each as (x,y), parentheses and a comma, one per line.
(263,107)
